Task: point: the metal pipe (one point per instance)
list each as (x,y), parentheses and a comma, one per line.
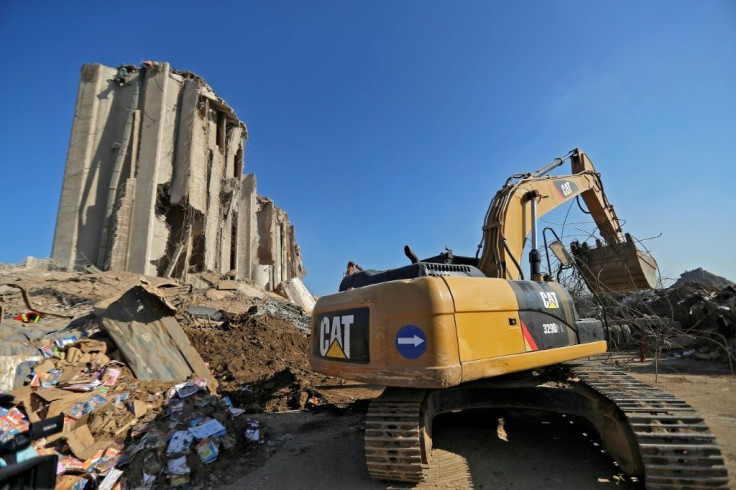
(534,260)
(533,201)
(552,165)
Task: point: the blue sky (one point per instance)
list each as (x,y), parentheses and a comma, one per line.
(383,123)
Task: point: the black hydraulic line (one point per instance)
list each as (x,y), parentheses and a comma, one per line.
(513,259)
(577,200)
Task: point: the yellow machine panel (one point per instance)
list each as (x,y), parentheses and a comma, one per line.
(433,332)
(424,304)
(487,318)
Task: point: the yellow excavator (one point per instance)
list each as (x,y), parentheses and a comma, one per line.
(451,333)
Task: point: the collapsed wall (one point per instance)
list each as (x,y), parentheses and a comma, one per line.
(154,183)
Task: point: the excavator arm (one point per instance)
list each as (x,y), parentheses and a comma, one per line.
(615,265)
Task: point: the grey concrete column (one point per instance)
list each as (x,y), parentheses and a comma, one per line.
(146,233)
(247,229)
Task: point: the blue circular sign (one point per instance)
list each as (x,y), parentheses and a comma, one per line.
(411,342)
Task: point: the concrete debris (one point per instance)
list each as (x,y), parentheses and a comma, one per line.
(295,291)
(701,276)
(42,264)
(227,285)
(101,438)
(286,310)
(692,315)
(118,428)
(154,183)
(210,314)
(27,301)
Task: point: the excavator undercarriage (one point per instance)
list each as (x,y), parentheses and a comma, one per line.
(451,333)
(651,434)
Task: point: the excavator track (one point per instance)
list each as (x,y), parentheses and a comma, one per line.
(394,433)
(676,446)
(667,440)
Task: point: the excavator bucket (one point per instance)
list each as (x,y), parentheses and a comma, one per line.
(615,267)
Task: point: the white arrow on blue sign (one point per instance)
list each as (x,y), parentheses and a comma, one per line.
(411,342)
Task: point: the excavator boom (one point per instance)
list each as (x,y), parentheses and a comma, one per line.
(614,265)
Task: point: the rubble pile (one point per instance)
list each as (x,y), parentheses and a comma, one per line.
(696,316)
(273,375)
(702,276)
(705,316)
(130,420)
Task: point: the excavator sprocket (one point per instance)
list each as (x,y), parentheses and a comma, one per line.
(652,434)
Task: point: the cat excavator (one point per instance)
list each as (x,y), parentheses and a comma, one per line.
(452,333)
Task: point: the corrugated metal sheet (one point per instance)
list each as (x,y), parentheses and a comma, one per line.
(153,343)
(17,356)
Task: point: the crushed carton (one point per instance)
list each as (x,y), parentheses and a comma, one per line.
(207,450)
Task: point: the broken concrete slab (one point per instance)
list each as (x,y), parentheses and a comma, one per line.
(250,290)
(295,291)
(227,285)
(204,312)
(143,327)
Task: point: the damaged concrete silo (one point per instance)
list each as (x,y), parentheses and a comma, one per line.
(154,183)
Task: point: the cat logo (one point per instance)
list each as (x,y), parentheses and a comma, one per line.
(549,299)
(565,188)
(334,336)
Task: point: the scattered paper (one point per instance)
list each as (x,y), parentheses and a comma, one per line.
(236,411)
(66,341)
(69,463)
(93,403)
(111,479)
(180,442)
(47,351)
(176,409)
(70,482)
(77,410)
(210,428)
(83,386)
(186,389)
(114,375)
(179,471)
(148,480)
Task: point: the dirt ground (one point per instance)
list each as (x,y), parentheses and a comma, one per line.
(312,425)
(321,449)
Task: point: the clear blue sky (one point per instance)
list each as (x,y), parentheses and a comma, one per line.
(376,124)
